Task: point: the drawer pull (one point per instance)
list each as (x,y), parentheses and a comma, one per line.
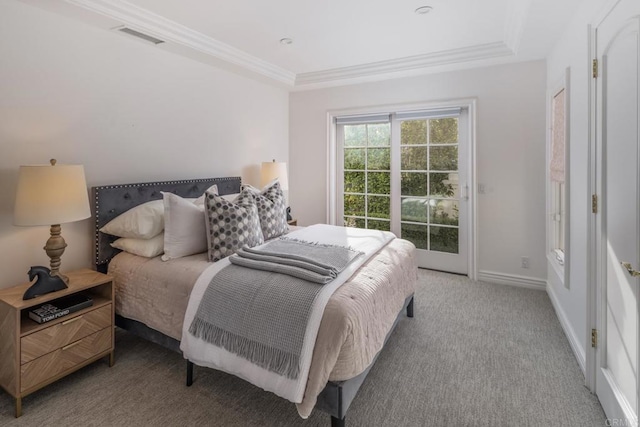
(66,322)
(73,344)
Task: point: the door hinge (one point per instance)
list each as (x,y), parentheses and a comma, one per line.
(595,69)
(594,203)
(594,338)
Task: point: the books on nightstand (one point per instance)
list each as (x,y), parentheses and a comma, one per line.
(60,307)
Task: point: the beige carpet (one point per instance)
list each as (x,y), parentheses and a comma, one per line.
(476,354)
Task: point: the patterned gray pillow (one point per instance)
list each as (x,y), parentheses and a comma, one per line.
(272,209)
(231,225)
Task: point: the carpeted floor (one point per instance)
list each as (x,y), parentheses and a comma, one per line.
(475,354)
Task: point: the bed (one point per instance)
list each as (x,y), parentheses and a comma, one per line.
(152,296)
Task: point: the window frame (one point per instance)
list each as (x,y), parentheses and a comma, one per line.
(554,203)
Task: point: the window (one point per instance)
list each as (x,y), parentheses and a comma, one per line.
(558,179)
(407,172)
(367,175)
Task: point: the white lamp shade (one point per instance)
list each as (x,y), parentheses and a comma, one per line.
(273,170)
(50,195)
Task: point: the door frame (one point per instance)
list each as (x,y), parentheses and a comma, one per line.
(595,253)
(332,167)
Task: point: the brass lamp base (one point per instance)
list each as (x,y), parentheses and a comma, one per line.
(54,248)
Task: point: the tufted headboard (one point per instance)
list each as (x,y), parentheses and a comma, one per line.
(109,201)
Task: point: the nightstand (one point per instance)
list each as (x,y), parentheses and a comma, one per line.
(292,222)
(33,355)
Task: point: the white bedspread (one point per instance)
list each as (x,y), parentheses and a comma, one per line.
(205,354)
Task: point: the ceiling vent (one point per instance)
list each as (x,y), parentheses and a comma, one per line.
(139,35)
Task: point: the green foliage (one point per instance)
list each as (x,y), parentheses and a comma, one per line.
(378,182)
(444,239)
(379,159)
(443,131)
(354,182)
(443,158)
(422,186)
(413,132)
(354,158)
(413,184)
(378,207)
(417,234)
(353,205)
(378,225)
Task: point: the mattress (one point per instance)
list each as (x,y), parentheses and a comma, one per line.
(355,323)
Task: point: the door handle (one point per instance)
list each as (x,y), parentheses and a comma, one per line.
(627,266)
(465,193)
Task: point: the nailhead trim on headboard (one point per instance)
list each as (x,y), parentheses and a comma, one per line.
(226,185)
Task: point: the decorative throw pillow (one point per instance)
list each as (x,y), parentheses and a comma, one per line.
(148,248)
(141,222)
(272,209)
(184,228)
(231,225)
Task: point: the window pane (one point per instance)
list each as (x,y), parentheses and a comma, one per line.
(417,234)
(379,159)
(413,184)
(415,210)
(379,182)
(354,182)
(444,239)
(444,158)
(413,132)
(355,135)
(353,205)
(413,158)
(354,158)
(444,185)
(443,131)
(378,225)
(379,134)
(378,207)
(444,212)
(354,222)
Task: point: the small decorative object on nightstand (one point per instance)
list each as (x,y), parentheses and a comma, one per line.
(292,222)
(33,355)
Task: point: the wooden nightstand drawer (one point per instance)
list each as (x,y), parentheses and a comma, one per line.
(66,332)
(66,358)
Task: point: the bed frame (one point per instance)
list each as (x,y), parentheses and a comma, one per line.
(112,200)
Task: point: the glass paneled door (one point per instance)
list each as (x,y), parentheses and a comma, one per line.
(407,173)
(432,198)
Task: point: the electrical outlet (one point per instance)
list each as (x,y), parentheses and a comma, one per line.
(524,262)
(482,189)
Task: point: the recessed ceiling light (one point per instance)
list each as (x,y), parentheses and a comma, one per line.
(286,40)
(423,10)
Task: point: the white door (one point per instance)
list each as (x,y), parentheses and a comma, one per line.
(433,190)
(618,142)
(408,172)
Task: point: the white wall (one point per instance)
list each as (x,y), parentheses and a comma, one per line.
(127,111)
(571,51)
(510,152)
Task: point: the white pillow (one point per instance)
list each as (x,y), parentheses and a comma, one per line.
(141,222)
(184,227)
(214,190)
(147,248)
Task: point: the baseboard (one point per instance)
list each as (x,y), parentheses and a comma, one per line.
(512,280)
(574,342)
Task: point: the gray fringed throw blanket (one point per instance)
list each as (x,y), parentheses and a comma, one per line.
(258,306)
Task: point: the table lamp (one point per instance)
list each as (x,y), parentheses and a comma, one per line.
(50,195)
(273,170)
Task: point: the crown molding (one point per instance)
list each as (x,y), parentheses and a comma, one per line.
(148,22)
(515,21)
(364,72)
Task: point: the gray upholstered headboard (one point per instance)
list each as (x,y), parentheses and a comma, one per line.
(109,201)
